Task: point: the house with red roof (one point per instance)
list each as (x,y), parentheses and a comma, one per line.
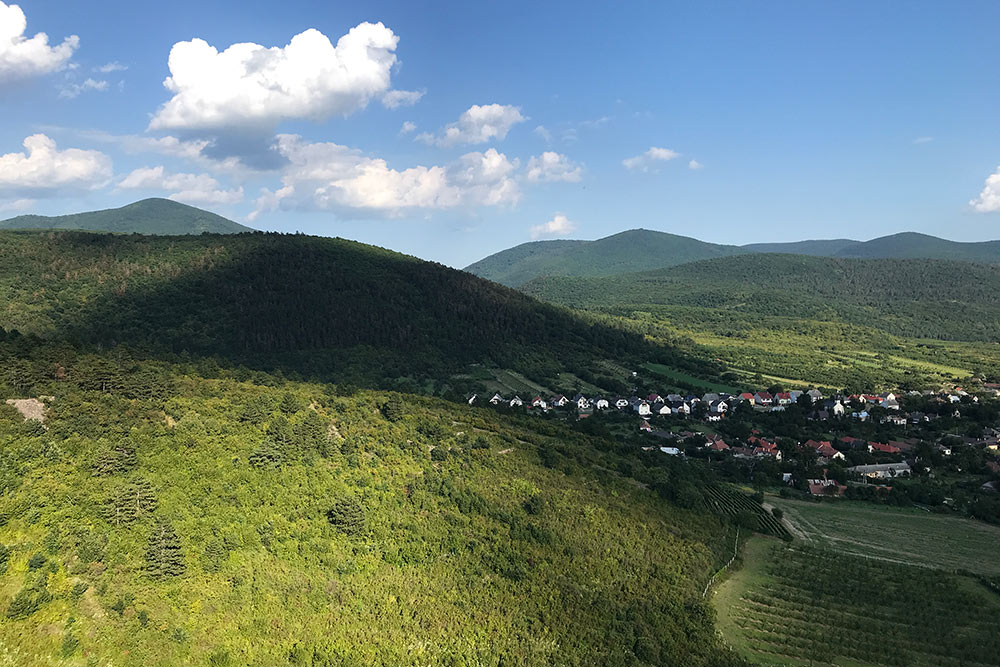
(763,398)
(784,398)
(883,447)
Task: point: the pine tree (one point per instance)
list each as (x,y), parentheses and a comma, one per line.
(393,409)
(118,460)
(289,404)
(163,555)
(312,434)
(214,555)
(267,455)
(347,516)
(281,434)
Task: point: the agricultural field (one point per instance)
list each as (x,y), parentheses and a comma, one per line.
(673,375)
(729,502)
(904,535)
(800,604)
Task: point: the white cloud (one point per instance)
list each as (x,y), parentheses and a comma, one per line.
(923,140)
(75,89)
(543,133)
(401,98)
(114,66)
(477,125)
(559,225)
(17,205)
(42,168)
(645,160)
(408,126)
(552,166)
(248,85)
(190,188)
(694,164)
(327,176)
(989,199)
(21,56)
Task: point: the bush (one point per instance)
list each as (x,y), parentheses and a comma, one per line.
(393,409)
(439,453)
(37,562)
(777,513)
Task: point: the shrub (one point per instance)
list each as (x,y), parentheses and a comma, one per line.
(393,409)
(36,562)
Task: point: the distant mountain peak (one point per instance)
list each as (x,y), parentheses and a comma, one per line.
(154,216)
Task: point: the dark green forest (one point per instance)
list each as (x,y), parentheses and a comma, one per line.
(149,216)
(326,309)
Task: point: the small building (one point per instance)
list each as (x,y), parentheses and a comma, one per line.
(881,470)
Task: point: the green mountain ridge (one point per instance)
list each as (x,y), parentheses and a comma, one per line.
(640,250)
(328,308)
(149,216)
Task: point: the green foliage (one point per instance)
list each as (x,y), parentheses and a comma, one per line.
(289,403)
(37,562)
(69,646)
(129,503)
(347,516)
(393,410)
(163,554)
(214,555)
(4,558)
(117,460)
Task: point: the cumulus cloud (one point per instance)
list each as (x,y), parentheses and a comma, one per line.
(189,188)
(328,176)
(248,85)
(44,169)
(543,132)
(401,98)
(75,89)
(694,164)
(551,166)
(559,225)
(477,125)
(647,159)
(21,56)
(407,127)
(988,200)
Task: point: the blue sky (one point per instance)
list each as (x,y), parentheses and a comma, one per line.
(730,122)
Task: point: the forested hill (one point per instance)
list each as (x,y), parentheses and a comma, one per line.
(633,250)
(149,216)
(918,298)
(641,250)
(327,308)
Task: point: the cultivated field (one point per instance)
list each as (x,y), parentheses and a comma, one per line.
(909,535)
(798,604)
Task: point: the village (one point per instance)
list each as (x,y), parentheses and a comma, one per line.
(672,419)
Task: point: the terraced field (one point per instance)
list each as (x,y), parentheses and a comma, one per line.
(797,604)
(730,502)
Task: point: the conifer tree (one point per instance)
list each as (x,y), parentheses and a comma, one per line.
(289,404)
(163,555)
(393,409)
(347,516)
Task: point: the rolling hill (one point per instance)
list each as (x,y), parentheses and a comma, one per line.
(327,308)
(149,216)
(816,320)
(626,252)
(641,250)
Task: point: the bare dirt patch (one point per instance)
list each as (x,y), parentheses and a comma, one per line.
(30,408)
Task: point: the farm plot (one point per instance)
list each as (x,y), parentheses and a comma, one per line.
(904,535)
(729,502)
(809,605)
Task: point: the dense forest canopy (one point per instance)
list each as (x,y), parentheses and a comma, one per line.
(326,308)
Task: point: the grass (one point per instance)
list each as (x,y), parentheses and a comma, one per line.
(802,605)
(908,535)
(679,376)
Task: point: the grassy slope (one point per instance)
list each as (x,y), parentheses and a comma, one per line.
(905,535)
(449,568)
(633,250)
(149,216)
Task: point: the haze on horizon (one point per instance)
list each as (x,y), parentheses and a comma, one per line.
(456,132)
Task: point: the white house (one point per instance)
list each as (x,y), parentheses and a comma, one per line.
(496,399)
(559,401)
(837,409)
(642,407)
(516,402)
(672,451)
(602,403)
(539,402)
(621,403)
